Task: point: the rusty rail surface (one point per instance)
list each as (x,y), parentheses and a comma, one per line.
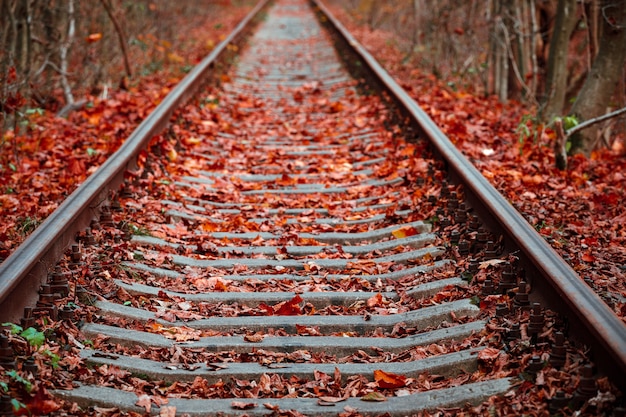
(557,282)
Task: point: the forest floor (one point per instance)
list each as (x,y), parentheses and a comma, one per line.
(47,157)
(579,211)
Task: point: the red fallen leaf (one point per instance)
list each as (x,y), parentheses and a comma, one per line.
(40,404)
(375,300)
(404,232)
(488,354)
(269,311)
(75,167)
(389,380)
(588,257)
(289,308)
(240,405)
(374,396)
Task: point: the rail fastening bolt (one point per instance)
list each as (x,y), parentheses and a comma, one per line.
(491,250)
(559,401)
(502,309)
(535,326)
(106,219)
(586,386)
(464,247)
(28,320)
(508,280)
(455,236)
(514,333)
(474,223)
(7,356)
(535,364)
(521,301)
(30,365)
(559,351)
(90,239)
(488,287)
(6,406)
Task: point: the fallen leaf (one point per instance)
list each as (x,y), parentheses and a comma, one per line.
(375,300)
(145,402)
(289,308)
(488,354)
(240,405)
(389,380)
(253,338)
(490,262)
(42,403)
(588,257)
(374,396)
(404,232)
(331,399)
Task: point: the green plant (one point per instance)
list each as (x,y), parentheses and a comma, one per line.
(25,225)
(527,127)
(54,358)
(18,379)
(32,336)
(15,403)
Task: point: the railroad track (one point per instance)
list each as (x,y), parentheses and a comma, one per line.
(288,246)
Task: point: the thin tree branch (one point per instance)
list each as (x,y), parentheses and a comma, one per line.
(593,121)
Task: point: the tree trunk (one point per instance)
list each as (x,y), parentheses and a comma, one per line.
(120,35)
(606,71)
(556,78)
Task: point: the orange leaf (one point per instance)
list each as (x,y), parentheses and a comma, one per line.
(375,300)
(588,257)
(404,232)
(93,37)
(389,380)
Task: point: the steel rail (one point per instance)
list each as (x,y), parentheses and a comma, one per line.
(596,325)
(26,268)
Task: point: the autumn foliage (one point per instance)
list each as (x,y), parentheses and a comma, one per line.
(46,157)
(578,211)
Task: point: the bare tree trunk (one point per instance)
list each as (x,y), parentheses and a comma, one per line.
(606,71)
(594,24)
(534,31)
(120,35)
(556,79)
(63,51)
